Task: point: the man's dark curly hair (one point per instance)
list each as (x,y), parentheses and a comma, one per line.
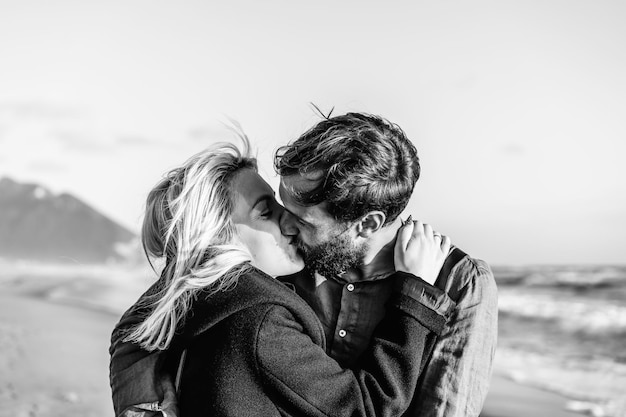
(363,162)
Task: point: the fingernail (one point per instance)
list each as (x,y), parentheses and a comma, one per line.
(409,219)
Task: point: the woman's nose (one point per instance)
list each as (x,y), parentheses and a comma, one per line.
(287,224)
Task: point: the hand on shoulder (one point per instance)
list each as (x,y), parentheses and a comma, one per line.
(420,251)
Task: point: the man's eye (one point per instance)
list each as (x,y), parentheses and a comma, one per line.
(266,213)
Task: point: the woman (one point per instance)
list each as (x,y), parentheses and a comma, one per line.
(251,345)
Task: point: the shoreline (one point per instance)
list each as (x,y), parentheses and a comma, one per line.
(509,398)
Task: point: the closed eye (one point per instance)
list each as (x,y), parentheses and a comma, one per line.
(263,207)
(299,219)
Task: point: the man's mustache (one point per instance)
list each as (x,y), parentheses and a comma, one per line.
(299,245)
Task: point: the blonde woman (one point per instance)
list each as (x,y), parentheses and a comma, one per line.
(251,346)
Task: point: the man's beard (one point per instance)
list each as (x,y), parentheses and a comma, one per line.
(333,257)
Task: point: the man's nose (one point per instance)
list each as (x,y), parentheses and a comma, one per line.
(287,224)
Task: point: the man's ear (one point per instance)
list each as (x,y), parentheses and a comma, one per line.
(370,223)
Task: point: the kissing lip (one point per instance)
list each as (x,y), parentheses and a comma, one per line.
(297,244)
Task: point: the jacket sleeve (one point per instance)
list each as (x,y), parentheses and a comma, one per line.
(313,384)
(138,387)
(456,381)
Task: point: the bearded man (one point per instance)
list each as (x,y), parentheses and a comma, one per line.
(344,184)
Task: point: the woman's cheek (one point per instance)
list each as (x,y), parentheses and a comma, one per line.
(270,250)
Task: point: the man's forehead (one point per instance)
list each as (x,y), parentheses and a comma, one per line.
(301,183)
(289,186)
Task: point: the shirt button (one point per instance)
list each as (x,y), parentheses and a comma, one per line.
(350,287)
(342,333)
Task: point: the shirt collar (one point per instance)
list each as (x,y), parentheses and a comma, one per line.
(372,273)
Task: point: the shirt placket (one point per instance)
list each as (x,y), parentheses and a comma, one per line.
(347,323)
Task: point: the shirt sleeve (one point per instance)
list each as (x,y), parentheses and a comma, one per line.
(299,374)
(456,380)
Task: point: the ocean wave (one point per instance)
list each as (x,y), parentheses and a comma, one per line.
(562,276)
(592,316)
(594,387)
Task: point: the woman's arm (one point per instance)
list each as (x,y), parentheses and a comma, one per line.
(308,382)
(303,378)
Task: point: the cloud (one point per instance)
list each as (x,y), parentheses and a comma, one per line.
(80,142)
(138,141)
(513,149)
(466,81)
(37,111)
(135,141)
(47,166)
(210,134)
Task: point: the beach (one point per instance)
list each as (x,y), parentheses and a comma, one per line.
(510,399)
(54,339)
(55,326)
(54,359)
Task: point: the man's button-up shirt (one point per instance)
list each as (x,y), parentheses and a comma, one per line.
(349,312)
(456,379)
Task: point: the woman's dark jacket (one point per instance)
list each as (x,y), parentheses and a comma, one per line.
(259,350)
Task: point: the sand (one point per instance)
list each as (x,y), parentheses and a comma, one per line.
(55,327)
(509,399)
(54,359)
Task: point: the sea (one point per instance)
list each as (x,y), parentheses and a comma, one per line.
(563,328)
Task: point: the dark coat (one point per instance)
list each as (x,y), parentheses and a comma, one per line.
(259,350)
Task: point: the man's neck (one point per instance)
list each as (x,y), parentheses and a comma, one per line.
(378,261)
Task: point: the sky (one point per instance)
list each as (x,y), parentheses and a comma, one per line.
(517,108)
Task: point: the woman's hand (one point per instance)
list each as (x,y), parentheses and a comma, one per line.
(420,251)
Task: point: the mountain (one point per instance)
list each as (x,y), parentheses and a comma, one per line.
(38,225)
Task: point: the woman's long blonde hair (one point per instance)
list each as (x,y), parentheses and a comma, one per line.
(188,223)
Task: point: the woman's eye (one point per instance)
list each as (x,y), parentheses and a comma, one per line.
(266,211)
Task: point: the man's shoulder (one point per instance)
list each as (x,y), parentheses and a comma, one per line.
(473,267)
(470,274)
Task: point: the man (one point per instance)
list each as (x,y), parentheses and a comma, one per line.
(344,184)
